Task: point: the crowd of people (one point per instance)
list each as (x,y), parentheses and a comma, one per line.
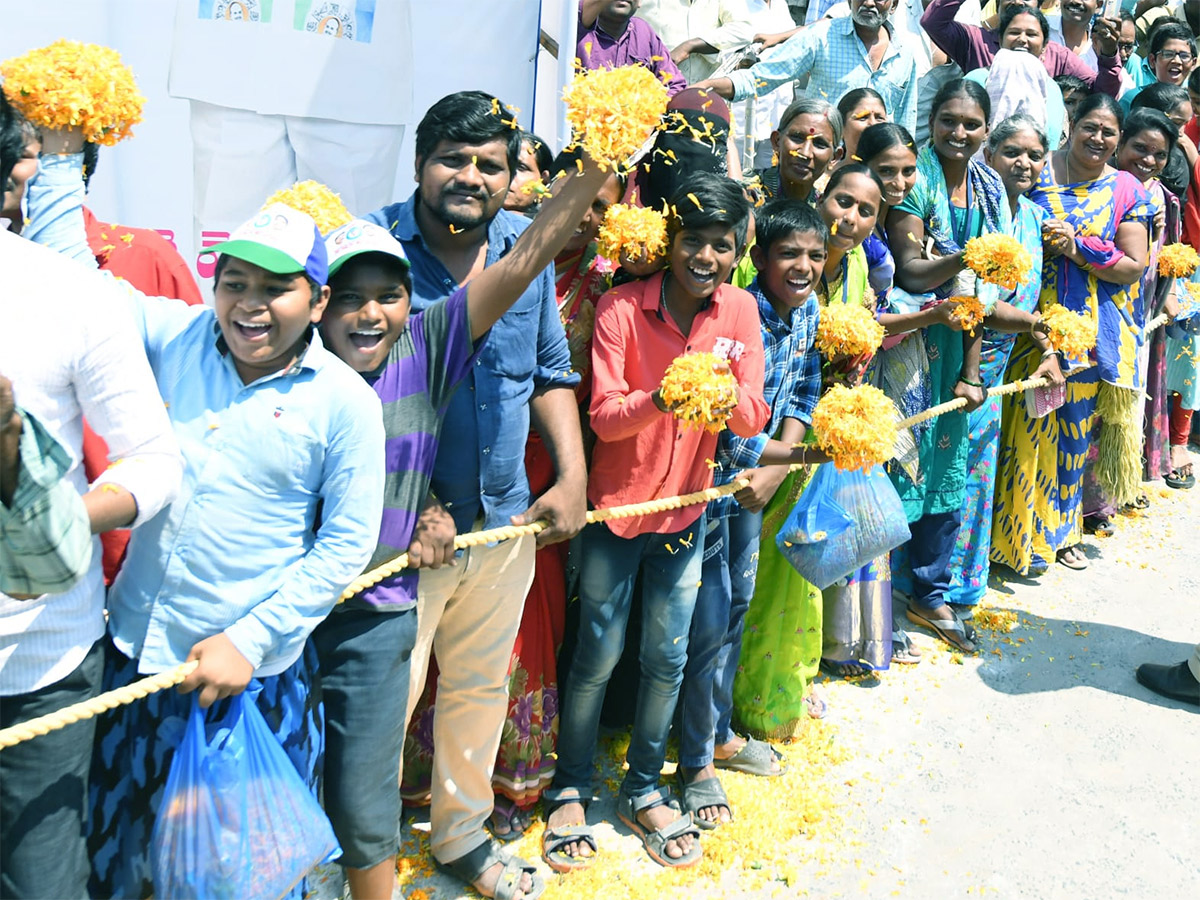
(466,359)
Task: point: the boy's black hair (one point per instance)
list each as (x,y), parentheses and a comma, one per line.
(12,141)
(1159,96)
(469,117)
(384,259)
(1068,83)
(541,151)
(881,137)
(91,156)
(1193,81)
(1011,12)
(783,217)
(1171,30)
(706,199)
(841,173)
(223,260)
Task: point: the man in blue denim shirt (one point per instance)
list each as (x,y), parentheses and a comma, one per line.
(469,608)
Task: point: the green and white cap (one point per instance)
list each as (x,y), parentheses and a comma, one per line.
(281,240)
(357,237)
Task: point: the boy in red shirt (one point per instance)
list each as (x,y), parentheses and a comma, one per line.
(643,451)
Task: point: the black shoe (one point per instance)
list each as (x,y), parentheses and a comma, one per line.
(1176,682)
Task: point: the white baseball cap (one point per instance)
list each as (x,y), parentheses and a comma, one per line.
(281,240)
(357,237)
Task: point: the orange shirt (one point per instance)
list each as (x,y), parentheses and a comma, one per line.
(641,452)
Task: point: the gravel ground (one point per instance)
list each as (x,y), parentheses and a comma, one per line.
(1037,769)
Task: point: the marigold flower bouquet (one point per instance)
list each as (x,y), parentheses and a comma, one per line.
(613,111)
(1177,261)
(856,427)
(316,200)
(969,311)
(847,329)
(69,84)
(633,231)
(700,390)
(998,259)
(1070,334)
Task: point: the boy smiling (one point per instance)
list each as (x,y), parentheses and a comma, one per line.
(642,451)
(789,256)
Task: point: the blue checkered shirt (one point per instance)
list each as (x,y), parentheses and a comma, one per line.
(791,387)
(834,58)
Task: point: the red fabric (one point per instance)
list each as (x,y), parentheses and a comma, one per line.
(641,452)
(146,260)
(1181,422)
(1191,208)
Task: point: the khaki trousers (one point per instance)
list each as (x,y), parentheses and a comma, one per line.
(468,616)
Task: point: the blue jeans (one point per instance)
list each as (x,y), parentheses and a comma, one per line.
(715,643)
(670,568)
(44,791)
(364,657)
(929,552)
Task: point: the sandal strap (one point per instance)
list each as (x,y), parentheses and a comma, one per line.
(553,798)
(509,882)
(681,826)
(554,839)
(703,793)
(658,797)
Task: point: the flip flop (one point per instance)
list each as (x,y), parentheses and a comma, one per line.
(655,842)
(903,651)
(954,631)
(1101,526)
(471,865)
(698,795)
(815,706)
(1179,481)
(755,758)
(554,839)
(508,811)
(1077,564)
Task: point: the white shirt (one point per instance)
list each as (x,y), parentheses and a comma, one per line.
(724,24)
(68,343)
(344,60)
(1054,20)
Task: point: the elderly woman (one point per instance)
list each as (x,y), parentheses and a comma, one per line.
(1096,238)
(1017,149)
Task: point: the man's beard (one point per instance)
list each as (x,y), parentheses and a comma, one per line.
(461,221)
(869,18)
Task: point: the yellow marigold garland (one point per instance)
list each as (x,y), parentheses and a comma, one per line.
(1069,333)
(856,426)
(998,259)
(847,329)
(613,111)
(1177,261)
(632,230)
(69,84)
(316,200)
(968,310)
(694,388)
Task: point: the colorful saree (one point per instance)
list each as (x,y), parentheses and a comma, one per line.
(1039,491)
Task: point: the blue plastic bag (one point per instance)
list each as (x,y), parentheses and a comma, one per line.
(236,819)
(841,522)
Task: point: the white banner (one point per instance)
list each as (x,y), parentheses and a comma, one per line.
(148,181)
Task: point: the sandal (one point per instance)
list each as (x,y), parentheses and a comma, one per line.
(953,631)
(655,842)
(846,668)
(507,812)
(903,651)
(701,794)
(755,758)
(815,705)
(1180,481)
(473,864)
(554,839)
(1101,526)
(1072,562)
